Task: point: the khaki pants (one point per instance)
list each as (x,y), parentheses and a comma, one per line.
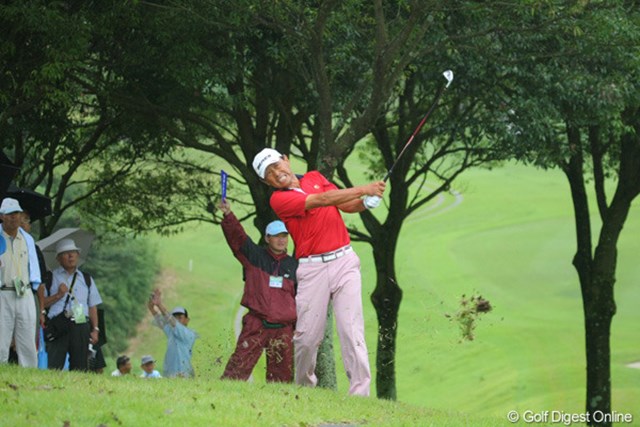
(17,319)
(339,281)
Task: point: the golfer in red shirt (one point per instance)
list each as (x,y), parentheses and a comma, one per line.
(328,267)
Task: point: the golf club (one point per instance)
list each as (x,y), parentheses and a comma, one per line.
(447,75)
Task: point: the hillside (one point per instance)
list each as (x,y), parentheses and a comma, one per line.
(505,234)
(47,398)
(508,236)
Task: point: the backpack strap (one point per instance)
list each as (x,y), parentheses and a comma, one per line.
(87,280)
(47,279)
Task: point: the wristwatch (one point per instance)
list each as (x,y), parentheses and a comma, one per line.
(95,328)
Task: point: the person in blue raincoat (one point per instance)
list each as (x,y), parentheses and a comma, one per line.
(180,339)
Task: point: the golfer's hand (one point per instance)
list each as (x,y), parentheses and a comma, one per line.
(375,188)
(371,202)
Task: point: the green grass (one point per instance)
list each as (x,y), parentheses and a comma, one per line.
(47,398)
(511,240)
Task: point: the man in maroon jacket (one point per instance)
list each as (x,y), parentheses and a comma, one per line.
(269,294)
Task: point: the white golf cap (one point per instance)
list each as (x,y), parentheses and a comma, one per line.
(66,245)
(264,159)
(10,206)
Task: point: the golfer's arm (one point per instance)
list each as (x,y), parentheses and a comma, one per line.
(353,206)
(343,197)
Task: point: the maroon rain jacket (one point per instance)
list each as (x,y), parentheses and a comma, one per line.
(275,305)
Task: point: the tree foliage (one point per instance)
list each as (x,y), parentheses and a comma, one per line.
(124,271)
(63,120)
(571,101)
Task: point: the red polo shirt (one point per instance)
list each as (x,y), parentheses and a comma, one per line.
(314,231)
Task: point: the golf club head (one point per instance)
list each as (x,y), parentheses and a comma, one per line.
(449,76)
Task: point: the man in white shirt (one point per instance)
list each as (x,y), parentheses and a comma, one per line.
(19,278)
(71,294)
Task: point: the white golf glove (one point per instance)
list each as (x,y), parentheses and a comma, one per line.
(371,202)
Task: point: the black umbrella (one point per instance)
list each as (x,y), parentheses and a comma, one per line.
(37,205)
(7,171)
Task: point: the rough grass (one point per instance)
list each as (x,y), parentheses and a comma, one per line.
(30,397)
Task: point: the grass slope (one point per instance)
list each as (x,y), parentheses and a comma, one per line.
(46,398)
(511,240)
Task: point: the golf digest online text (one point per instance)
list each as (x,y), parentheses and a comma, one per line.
(567,418)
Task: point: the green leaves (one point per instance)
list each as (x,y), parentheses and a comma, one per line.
(124,270)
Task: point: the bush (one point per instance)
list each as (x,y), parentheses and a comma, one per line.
(124,271)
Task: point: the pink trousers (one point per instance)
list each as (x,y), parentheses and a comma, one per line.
(339,281)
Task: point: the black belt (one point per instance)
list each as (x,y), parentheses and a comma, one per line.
(269,325)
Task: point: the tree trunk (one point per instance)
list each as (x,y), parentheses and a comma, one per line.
(599,308)
(597,272)
(386,299)
(595,302)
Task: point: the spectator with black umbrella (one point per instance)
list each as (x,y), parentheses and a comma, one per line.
(19,273)
(35,206)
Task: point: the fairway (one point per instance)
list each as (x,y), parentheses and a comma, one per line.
(510,238)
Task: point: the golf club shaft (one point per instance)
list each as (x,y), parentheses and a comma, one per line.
(415,132)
